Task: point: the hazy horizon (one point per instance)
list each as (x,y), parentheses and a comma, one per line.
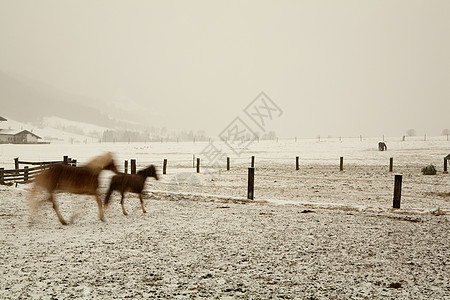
(338,68)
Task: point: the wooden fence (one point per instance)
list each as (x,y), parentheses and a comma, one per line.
(27,173)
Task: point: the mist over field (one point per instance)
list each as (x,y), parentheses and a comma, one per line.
(335,69)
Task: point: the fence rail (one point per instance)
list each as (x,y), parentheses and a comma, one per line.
(27,174)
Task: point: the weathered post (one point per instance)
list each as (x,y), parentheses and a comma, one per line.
(391,164)
(251,183)
(65,159)
(2,175)
(253,162)
(341,163)
(133,166)
(25,174)
(198,165)
(397,190)
(16,163)
(164,166)
(297,163)
(126,167)
(445,165)
(228,164)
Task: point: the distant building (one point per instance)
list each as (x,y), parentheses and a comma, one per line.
(8,136)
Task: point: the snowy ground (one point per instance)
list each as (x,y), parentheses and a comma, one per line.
(316,233)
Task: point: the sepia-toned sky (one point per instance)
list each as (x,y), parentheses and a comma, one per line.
(340,68)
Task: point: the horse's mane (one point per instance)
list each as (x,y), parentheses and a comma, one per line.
(99,162)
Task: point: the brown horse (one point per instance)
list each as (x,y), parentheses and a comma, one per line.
(77,180)
(382,146)
(130,183)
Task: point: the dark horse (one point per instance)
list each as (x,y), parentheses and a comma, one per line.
(77,180)
(382,146)
(130,183)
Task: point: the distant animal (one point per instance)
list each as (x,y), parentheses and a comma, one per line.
(76,180)
(382,146)
(130,183)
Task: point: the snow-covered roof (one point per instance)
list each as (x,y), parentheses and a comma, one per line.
(14,132)
(28,132)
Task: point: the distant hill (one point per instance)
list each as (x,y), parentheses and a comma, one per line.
(55,129)
(43,107)
(28,101)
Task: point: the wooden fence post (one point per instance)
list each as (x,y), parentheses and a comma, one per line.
(164,166)
(198,165)
(341,163)
(16,165)
(445,165)
(297,164)
(228,164)
(25,174)
(65,159)
(391,164)
(193,160)
(126,167)
(397,190)
(251,183)
(253,162)
(2,175)
(133,166)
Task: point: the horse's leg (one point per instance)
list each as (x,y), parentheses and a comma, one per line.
(121,203)
(108,197)
(142,203)
(100,207)
(55,207)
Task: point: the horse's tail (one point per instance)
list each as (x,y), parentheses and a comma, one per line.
(33,201)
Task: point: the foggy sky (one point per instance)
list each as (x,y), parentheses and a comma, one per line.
(334,67)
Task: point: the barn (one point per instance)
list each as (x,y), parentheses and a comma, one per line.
(9,136)
(22,137)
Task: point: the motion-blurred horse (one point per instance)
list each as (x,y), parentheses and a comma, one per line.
(76,180)
(130,183)
(382,146)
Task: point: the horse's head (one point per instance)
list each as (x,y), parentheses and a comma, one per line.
(150,171)
(111,167)
(103,162)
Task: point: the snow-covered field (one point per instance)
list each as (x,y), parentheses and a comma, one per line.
(315,233)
